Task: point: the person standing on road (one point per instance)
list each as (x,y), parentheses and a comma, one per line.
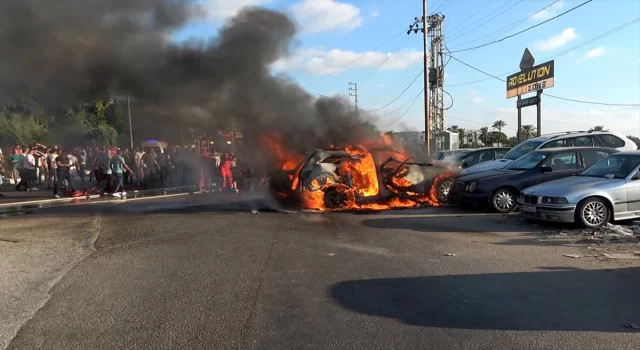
(63,173)
(82,163)
(149,166)
(51,166)
(15,165)
(139,167)
(30,170)
(228,161)
(118,166)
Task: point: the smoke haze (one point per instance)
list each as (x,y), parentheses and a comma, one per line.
(84,49)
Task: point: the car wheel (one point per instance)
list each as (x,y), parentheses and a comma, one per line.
(593,213)
(442,190)
(334,199)
(503,200)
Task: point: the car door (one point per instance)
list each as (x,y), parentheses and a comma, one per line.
(633,194)
(591,156)
(562,164)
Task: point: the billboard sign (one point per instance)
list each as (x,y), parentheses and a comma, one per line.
(531,80)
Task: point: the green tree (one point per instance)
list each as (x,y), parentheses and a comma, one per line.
(528,131)
(485,136)
(512,141)
(498,137)
(498,125)
(636,140)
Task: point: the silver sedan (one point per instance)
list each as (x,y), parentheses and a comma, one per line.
(607,190)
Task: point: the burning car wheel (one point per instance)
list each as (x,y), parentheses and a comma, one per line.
(334,198)
(442,190)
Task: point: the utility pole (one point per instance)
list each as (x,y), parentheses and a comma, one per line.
(130,127)
(431,28)
(436,79)
(354,93)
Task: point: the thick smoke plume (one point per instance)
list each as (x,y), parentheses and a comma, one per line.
(84,49)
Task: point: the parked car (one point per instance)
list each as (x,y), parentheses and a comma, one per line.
(501,187)
(607,190)
(608,139)
(467,157)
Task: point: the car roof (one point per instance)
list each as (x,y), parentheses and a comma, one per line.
(629,153)
(584,148)
(565,134)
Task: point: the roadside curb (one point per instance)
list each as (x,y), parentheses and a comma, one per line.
(95,196)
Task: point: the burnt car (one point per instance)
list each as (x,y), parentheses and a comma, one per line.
(341,180)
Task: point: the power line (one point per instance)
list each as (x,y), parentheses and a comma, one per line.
(557,97)
(405,112)
(401,93)
(492,18)
(401,107)
(524,30)
(477,122)
(464,30)
(357,58)
(470,17)
(514,24)
(442,6)
(397,84)
(603,35)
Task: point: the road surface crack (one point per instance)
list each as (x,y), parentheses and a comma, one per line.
(255,297)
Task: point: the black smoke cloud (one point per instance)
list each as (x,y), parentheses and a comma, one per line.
(84,49)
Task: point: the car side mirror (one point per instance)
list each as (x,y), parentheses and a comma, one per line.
(546,169)
(636,176)
(464,164)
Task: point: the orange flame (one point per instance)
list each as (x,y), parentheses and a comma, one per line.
(364,174)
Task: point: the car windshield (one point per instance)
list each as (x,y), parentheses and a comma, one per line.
(522,149)
(613,166)
(528,161)
(454,157)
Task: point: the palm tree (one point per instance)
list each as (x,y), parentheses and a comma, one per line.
(597,128)
(485,136)
(528,131)
(461,135)
(470,137)
(453,128)
(498,125)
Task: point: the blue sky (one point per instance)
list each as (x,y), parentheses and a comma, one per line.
(336,32)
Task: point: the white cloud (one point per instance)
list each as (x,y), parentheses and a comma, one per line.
(222,9)
(326,15)
(374,13)
(597,52)
(549,12)
(478,100)
(557,41)
(475,99)
(381,86)
(317,61)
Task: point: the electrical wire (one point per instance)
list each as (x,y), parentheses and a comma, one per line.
(465,31)
(393,52)
(451,97)
(510,26)
(603,35)
(394,87)
(442,6)
(355,60)
(405,112)
(470,17)
(400,95)
(557,97)
(399,108)
(524,30)
(477,122)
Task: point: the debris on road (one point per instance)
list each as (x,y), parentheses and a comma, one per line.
(449,254)
(574,256)
(621,256)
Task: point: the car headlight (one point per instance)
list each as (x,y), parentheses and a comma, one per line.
(554,200)
(471,187)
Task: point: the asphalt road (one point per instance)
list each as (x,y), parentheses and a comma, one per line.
(158,275)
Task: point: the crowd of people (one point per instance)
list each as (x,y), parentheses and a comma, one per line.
(114,169)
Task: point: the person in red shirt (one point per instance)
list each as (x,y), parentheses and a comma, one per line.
(228,160)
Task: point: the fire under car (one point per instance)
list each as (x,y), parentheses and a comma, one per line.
(337,179)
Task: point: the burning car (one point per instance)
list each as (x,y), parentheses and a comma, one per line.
(353,178)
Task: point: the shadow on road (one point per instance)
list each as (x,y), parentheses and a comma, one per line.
(453,223)
(557,299)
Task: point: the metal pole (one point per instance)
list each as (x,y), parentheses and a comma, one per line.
(539,113)
(130,127)
(427,119)
(519,120)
